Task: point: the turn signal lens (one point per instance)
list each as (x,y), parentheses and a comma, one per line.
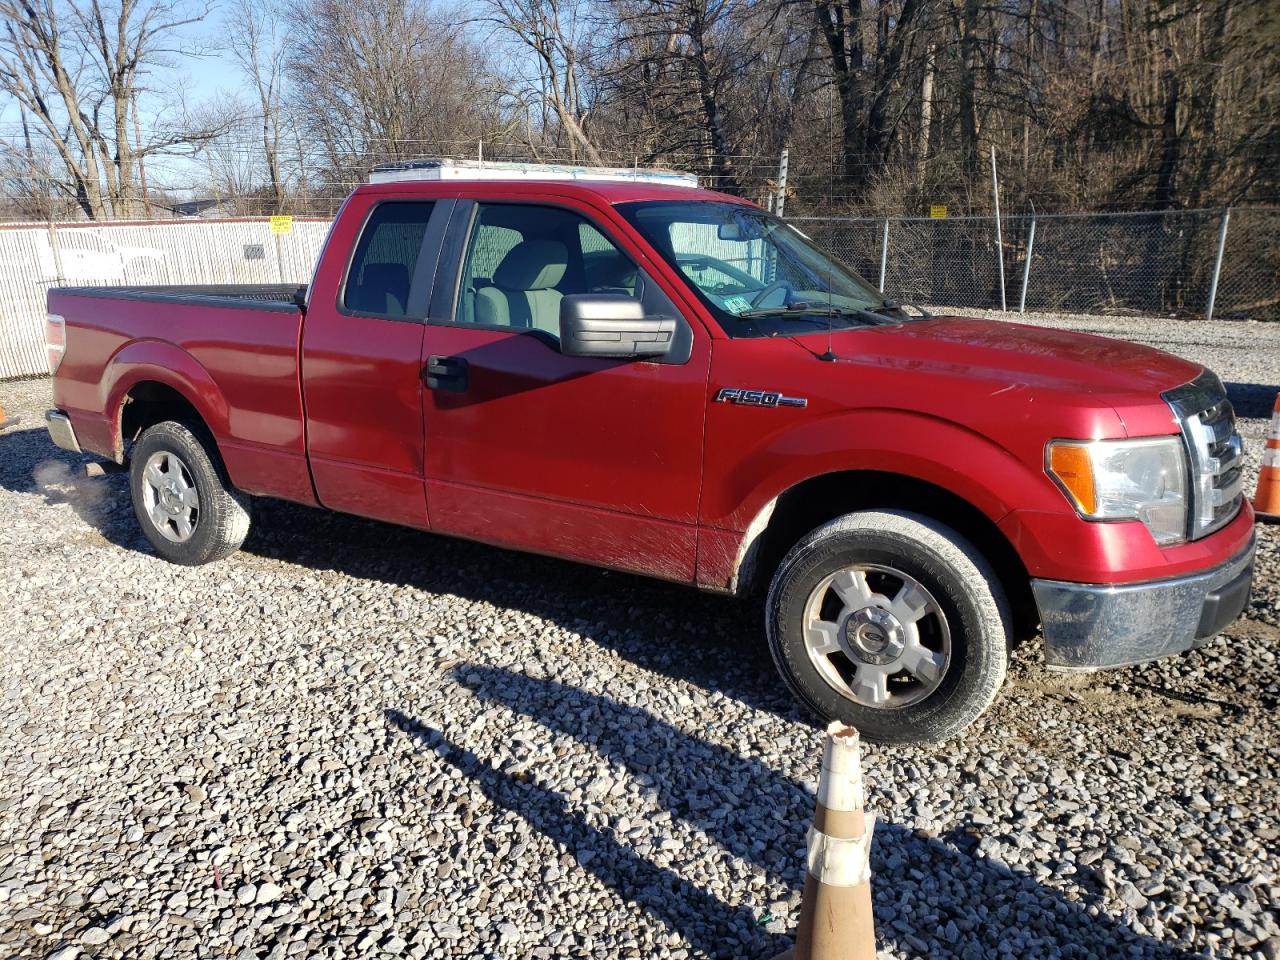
(1073,467)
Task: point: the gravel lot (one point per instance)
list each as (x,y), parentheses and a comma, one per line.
(352,740)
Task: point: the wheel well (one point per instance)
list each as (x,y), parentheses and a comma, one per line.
(149,403)
(820,499)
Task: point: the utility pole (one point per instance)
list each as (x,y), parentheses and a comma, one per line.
(1217,263)
(1026,266)
(884,253)
(995,193)
(782,183)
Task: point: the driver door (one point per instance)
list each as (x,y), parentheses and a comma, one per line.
(588,458)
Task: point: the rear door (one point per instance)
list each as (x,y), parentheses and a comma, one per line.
(587,458)
(361,357)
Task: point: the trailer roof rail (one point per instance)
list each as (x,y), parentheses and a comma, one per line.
(447,169)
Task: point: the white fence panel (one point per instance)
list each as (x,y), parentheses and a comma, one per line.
(23,264)
(35,257)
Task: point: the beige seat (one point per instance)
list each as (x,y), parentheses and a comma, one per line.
(524,290)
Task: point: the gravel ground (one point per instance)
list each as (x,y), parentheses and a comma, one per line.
(352,740)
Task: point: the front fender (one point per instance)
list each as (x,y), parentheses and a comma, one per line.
(937,451)
(160,362)
(947,455)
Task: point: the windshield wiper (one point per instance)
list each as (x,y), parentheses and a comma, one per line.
(887,311)
(901,305)
(802,311)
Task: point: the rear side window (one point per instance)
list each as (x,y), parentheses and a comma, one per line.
(384,259)
(523,260)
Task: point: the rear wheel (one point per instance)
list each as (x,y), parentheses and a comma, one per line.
(183,499)
(891,622)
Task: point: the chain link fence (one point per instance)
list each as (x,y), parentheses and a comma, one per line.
(1193,263)
(1148,263)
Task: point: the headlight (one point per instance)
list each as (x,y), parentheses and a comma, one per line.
(1125,480)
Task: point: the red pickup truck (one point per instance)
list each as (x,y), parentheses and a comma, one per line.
(668,381)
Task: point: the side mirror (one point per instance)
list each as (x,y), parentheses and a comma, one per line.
(611,325)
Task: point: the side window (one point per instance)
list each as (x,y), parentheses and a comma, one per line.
(522,260)
(384,259)
(605,268)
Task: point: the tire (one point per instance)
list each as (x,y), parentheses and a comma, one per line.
(186,505)
(843,646)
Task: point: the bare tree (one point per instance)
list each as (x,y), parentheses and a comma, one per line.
(886,105)
(77,67)
(380,80)
(552,30)
(256,44)
(866,44)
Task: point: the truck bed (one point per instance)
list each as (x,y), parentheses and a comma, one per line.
(251,296)
(231,349)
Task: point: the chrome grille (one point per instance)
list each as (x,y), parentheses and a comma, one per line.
(1214,451)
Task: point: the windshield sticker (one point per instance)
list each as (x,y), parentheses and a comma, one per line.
(736,305)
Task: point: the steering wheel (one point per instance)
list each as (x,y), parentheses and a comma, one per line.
(696,260)
(768,289)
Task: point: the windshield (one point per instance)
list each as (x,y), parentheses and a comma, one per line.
(757,274)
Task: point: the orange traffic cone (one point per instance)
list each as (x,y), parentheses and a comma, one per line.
(3,422)
(835,915)
(1266,501)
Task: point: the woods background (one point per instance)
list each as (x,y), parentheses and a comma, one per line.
(885,106)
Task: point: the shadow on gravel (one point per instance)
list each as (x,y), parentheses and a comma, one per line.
(30,463)
(1252,399)
(715,643)
(922,885)
(712,927)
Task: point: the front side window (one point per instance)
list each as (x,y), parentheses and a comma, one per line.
(384,259)
(523,260)
(758,275)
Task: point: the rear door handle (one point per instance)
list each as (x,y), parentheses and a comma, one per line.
(446,373)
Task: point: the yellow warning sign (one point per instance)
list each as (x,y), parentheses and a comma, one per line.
(282,224)
(938,211)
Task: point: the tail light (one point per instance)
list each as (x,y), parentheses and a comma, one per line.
(55,339)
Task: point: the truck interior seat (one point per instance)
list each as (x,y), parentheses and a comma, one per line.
(524,291)
(382,288)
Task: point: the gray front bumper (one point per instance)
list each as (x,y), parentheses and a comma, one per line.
(1091,626)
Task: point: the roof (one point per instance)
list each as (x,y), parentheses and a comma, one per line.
(454,169)
(609,192)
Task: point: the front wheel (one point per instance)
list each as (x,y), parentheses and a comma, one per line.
(891,622)
(183,499)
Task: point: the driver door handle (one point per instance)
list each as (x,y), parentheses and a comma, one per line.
(446,373)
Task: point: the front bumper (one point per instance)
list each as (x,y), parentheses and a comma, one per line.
(1093,626)
(61,431)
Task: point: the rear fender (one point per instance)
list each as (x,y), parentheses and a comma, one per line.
(161,362)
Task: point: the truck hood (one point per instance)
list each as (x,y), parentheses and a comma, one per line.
(1016,355)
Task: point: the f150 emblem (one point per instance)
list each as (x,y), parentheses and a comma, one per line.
(758,398)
